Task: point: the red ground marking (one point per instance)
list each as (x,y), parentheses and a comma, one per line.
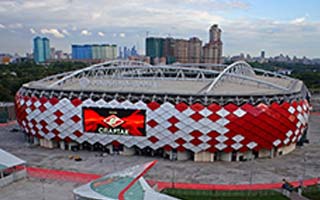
(7,124)
(79,177)
(315,113)
(69,176)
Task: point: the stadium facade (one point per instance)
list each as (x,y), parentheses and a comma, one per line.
(182,111)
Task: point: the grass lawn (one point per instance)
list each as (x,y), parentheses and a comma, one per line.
(224,195)
(312,192)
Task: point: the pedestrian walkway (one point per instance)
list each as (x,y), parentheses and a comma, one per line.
(79,177)
(296,196)
(8,123)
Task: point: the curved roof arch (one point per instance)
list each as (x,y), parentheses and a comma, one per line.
(136,76)
(241,70)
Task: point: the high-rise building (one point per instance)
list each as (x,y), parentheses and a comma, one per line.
(194,50)
(168,49)
(87,52)
(180,51)
(214,33)
(174,50)
(186,51)
(263,54)
(154,48)
(46,48)
(41,49)
(212,51)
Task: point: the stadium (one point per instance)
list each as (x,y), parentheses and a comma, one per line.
(201,112)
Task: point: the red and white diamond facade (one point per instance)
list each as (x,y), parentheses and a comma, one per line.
(187,109)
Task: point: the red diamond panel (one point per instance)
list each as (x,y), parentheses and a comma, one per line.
(152,123)
(213,134)
(43,123)
(196,133)
(153,139)
(75,118)
(231,107)
(197,107)
(58,121)
(58,113)
(196,116)
(77,133)
(196,141)
(173,129)
(54,101)
(153,105)
(214,107)
(42,108)
(173,120)
(181,106)
(43,100)
(180,141)
(214,117)
(76,102)
(55,131)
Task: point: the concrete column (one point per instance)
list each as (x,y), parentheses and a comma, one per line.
(183,155)
(203,157)
(226,156)
(128,151)
(62,145)
(110,148)
(36,141)
(71,144)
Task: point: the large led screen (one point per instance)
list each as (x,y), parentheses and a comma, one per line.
(114,121)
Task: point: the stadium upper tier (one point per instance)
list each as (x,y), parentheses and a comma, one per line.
(120,76)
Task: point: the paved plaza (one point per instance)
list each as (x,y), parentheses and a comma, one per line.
(303,162)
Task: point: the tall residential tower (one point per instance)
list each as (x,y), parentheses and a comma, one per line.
(212,51)
(41,49)
(186,51)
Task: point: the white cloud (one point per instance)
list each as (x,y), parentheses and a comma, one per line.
(101,34)
(65,32)
(85,32)
(33,31)
(298,21)
(15,26)
(96,15)
(181,19)
(55,32)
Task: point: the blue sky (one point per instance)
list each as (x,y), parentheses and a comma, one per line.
(249,26)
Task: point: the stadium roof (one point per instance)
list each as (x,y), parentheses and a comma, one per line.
(125,184)
(238,78)
(8,160)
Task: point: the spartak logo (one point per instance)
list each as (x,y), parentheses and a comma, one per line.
(113,121)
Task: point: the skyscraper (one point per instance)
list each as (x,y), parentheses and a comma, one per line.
(214,33)
(41,49)
(154,48)
(168,50)
(212,51)
(46,48)
(194,50)
(180,51)
(95,51)
(186,51)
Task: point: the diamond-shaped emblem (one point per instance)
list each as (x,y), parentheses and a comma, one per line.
(113,121)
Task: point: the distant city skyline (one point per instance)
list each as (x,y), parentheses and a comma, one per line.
(248,26)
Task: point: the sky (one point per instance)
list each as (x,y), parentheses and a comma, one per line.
(276,26)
